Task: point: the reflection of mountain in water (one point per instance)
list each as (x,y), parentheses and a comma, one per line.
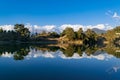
(20,52)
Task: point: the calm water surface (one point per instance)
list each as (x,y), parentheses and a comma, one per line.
(18,62)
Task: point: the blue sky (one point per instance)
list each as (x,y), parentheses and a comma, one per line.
(58,12)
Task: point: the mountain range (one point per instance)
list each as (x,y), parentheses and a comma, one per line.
(98,31)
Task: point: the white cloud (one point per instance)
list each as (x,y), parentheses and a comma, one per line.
(101,26)
(36,28)
(116,16)
(51,28)
(75,27)
(109,13)
(7,27)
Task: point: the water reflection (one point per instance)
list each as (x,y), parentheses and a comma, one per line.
(72,62)
(21,52)
(18,52)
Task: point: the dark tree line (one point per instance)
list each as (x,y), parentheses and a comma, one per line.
(22,34)
(91,37)
(20,52)
(88,36)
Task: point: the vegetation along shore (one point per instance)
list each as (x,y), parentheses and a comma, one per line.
(21,34)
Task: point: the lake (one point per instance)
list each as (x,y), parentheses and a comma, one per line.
(41,62)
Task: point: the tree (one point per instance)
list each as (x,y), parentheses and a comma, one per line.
(63,33)
(23,32)
(91,37)
(54,34)
(69,32)
(80,34)
(117,29)
(1,30)
(108,35)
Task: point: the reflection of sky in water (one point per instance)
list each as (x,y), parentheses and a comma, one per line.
(48,65)
(114,69)
(59,54)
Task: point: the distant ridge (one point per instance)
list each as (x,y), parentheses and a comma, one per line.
(98,31)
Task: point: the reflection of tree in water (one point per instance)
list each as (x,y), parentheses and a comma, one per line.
(20,54)
(19,51)
(113,50)
(80,49)
(117,41)
(90,50)
(45,48)
(71,49)
(7,48)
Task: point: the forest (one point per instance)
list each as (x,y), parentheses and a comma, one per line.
(21,34)
(68,41)
(20,52)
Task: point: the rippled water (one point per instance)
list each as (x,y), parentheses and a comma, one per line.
(53,63)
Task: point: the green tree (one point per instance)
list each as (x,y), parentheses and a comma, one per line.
(23,33)
(80,34)
(69,32)
(91,37)
(54,35)
(117,29)
(63,33)
(1,30)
